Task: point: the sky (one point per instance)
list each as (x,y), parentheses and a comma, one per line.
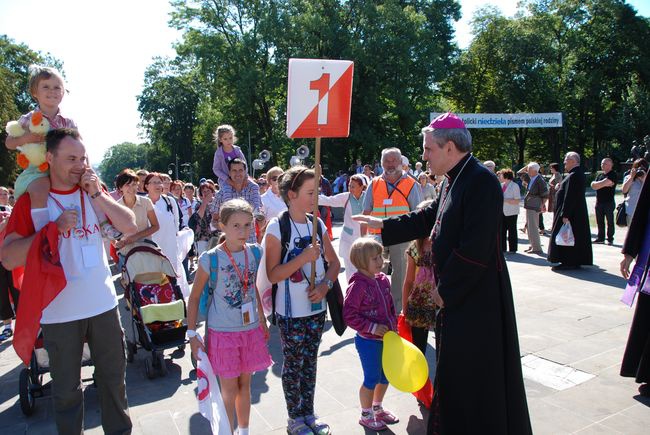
(106,46)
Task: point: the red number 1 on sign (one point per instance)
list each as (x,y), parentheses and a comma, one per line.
(322,85)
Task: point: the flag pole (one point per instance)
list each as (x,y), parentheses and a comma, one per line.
(314,234)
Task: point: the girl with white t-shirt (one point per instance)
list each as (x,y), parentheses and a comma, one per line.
(300,305)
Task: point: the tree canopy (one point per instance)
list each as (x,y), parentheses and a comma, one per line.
(232,66)
(586,59)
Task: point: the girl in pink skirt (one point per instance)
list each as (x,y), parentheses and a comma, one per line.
(236,327)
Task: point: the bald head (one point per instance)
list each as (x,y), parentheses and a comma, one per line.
(606,164)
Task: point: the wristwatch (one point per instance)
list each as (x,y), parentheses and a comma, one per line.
(96,194)
(191,333)
(329,283)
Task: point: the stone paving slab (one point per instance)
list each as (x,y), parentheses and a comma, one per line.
(572,318)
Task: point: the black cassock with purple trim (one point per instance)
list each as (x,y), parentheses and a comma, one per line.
(479,386)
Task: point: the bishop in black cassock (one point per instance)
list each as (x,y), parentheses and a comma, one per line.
(479,386)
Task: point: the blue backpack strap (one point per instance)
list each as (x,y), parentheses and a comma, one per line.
(208,290)
(285,235)
(257,253)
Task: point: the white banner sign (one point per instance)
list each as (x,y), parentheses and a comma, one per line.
(509,120)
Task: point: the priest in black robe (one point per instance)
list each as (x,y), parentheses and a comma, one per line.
(571,206)
(636,359)
(479,387)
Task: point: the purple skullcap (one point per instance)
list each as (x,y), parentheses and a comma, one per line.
(447,120)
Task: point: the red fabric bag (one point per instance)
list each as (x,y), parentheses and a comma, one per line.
(425,394)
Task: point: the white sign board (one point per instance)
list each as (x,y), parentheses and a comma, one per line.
(508,120)
(319,98)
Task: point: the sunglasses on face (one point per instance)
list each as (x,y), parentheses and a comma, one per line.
(275,178)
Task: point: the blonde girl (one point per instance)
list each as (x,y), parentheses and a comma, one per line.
(225,138)
(46,86)
(237,333)
(369,309)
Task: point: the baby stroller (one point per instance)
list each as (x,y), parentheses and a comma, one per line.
(30,380)
(156,304)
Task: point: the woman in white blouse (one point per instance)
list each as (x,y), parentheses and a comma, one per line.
(352,201)
(167,213)
(511,199)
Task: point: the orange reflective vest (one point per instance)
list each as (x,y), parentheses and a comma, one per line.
(395,204)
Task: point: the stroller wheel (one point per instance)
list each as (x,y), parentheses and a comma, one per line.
(131,350)
(181,347)
(162,367)
(148,369)
(27,400)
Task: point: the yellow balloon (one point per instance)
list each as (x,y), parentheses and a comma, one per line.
(404,365)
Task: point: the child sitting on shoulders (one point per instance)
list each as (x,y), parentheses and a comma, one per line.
(369,309)
(226,151)
(46,86)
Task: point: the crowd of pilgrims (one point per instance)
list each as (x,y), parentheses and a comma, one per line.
(231,214)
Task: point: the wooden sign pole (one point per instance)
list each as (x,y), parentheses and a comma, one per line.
(314,233)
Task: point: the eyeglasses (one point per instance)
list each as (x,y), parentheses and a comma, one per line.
(275,177)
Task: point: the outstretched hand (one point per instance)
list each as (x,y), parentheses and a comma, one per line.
(371,221)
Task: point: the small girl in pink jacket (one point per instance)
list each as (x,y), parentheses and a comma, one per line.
(369,309)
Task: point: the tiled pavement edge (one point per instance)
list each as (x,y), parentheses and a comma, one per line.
(571,319)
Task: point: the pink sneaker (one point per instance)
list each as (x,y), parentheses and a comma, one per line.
(385,416)
(372,424)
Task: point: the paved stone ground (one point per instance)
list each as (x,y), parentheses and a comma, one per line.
(570,320)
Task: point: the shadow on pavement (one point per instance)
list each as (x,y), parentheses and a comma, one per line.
(535,260)
(643,400)
(336,347)
(596,275)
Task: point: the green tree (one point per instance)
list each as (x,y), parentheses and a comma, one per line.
(122,156)
(583,58)
(237,55)
(168,106)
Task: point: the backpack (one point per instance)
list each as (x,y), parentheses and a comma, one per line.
(285,236)
(208,291)
(334,297)
(170,209)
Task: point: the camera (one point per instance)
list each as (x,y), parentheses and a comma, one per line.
(640,173)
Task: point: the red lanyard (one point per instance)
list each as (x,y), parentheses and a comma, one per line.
(244,278)
(79,233)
